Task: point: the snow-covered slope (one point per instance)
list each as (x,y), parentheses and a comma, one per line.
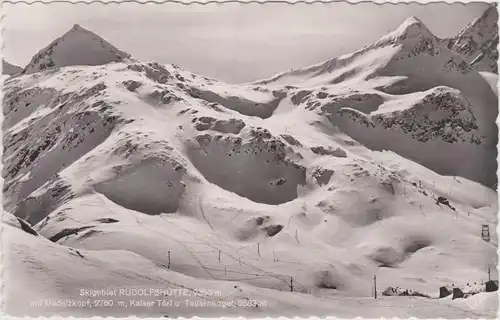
(477,42)
(10,69)
(402,69)
(137,174)
(78,46)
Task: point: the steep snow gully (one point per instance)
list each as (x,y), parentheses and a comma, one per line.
(291,192)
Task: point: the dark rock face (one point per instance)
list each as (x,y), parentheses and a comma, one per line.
(441,115)
(337,152)
(300,96)
(323,176)
(260,220)
(132,85)
(232,125)
(153,71)
(291,140)
(163,97)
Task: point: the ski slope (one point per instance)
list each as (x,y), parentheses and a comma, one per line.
(289,193)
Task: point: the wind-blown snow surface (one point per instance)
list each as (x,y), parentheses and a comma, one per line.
(136,174)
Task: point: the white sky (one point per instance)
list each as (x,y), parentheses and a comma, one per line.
(232,42)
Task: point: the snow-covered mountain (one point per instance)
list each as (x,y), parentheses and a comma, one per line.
(407,77)
(10,69)
(477,42)
(78,46)
(138,174)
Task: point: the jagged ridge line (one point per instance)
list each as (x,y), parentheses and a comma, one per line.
(393,2)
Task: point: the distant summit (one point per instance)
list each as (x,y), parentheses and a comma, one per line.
(409,61)
(10,69)
(78,46)
(411,29)
(477,42)
(407,51)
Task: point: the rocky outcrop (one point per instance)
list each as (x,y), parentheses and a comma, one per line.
(442,114)
(232,125)
(337,152)
(322,175)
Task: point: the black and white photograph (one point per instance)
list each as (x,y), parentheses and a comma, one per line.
(272,159)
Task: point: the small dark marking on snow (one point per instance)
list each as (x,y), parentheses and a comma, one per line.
(107,220)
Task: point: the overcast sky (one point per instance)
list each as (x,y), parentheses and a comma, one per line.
(232,42)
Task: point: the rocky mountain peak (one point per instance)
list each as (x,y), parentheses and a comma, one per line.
(78,46)
(477,42)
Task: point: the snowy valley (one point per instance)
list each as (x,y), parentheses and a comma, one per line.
(282,197)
